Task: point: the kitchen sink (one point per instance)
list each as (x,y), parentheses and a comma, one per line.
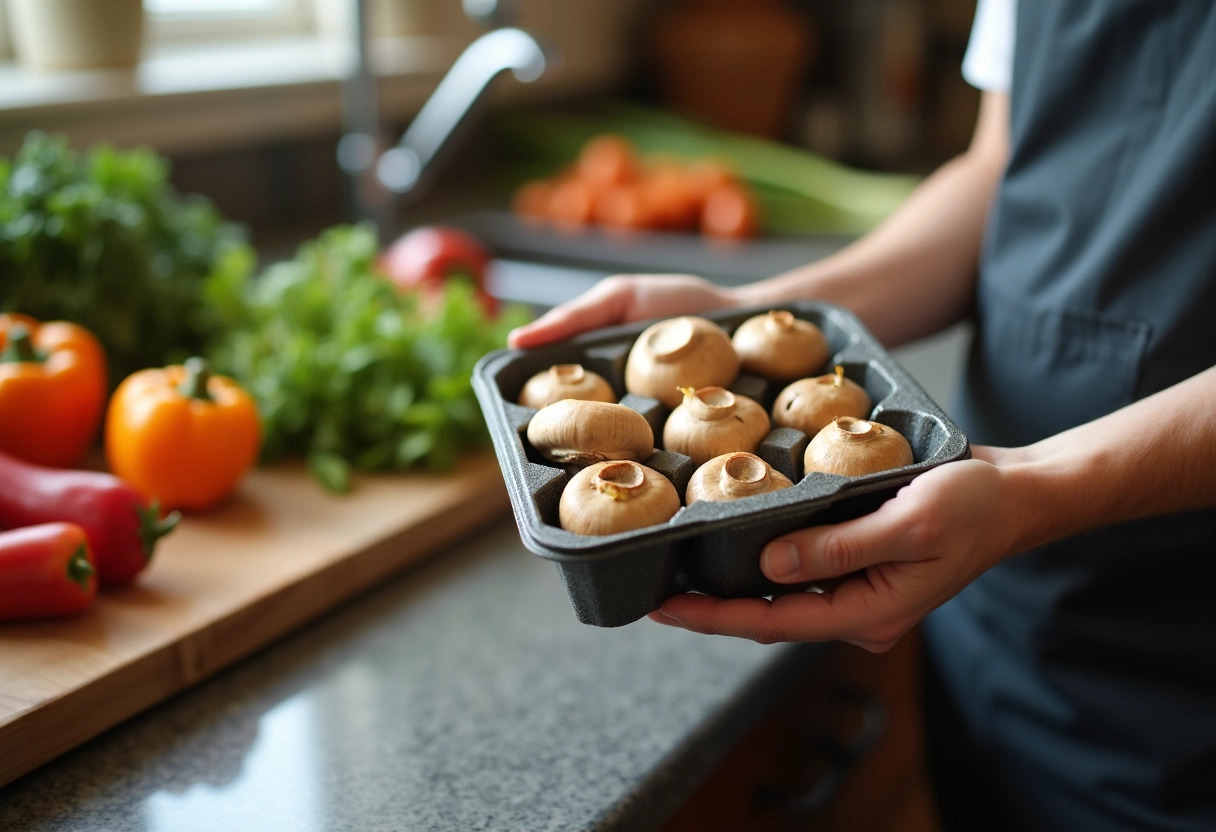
(594,250)
(544,267)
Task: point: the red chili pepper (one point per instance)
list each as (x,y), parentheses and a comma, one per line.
(122,527)
(45,570)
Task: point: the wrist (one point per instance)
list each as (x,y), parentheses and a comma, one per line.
(799,284)
(1045,496)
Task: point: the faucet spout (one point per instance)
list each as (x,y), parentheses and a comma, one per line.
(378,180)
(404,167)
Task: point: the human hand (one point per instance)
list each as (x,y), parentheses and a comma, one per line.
(919,549)
(621,299)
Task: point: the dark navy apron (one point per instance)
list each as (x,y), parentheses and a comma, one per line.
(1074,687)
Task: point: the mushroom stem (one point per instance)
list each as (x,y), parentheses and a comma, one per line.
(708,403)
(567,373)
(743,474)
(621,480)
(839,380)
(857,430)
(780,320)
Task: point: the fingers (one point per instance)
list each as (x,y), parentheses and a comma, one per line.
(622,299)
(603,304)
(898,563)
(840,549)
(855,612)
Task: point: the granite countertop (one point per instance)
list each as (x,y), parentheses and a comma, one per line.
(462,695)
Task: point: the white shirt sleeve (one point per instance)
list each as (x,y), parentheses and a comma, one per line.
(988,62)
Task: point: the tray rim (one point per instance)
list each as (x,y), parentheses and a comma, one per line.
(563,546)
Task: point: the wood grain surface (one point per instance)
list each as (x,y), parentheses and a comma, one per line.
(221,585)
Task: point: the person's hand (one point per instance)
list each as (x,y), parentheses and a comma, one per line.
(914,553)
(622,299)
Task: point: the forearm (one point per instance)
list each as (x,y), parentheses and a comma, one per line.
(915,273)
(911,276)
(1157,456)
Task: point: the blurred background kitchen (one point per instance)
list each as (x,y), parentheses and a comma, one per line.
(255,102)
(245,96)
(249,101)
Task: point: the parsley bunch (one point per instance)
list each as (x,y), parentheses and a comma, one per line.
(103,239)
(347,370)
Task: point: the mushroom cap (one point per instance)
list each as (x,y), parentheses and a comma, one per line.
(732,476)
(855,447)
(809,404)
(578,432)
(616,496)
(778,346)
(713,421)
(565,381)
(687,351)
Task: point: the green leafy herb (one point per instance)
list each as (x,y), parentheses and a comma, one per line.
(101,238)
(348,371)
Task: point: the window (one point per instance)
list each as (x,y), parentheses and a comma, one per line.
(181,20)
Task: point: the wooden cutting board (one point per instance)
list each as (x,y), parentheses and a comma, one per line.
(221,585)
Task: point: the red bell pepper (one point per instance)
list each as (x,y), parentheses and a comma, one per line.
(45,570)
(121,526)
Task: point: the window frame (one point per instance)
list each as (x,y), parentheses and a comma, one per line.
(287,17)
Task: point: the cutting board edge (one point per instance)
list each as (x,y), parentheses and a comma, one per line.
(174,667)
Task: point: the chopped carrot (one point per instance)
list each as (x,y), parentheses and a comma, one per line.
(729,212)
(611,185)
(623,207)
(607,160)
(571,203)
(531,200)
(672,206)
(704,176)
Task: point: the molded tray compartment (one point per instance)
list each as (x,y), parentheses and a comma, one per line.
(707,547)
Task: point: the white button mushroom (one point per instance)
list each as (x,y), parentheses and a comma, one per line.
(811,403)
(617,496)
(778,346)
(565,381)
(713,421)
(576,432)
(733,476)
(680,352)
(855,447)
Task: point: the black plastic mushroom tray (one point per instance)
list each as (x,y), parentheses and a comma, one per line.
(708,547)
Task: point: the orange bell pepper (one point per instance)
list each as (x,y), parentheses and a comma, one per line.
(182,436)
(52,390)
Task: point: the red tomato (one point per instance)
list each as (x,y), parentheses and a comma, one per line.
(430,254)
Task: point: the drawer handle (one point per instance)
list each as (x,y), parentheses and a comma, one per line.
(842,756)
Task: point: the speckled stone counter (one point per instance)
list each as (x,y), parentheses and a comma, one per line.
(461,696)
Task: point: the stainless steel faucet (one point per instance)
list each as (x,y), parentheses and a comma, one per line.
(380,179)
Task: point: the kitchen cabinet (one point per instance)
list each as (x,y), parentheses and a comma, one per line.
(887,790)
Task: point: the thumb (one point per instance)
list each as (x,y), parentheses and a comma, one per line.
(833,551)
